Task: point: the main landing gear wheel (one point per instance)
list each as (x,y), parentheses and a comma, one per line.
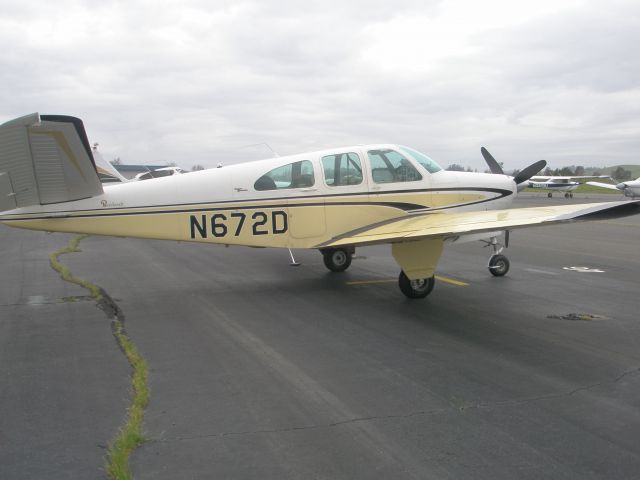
(550,195)
(498,265)
(337,259)
(418,288)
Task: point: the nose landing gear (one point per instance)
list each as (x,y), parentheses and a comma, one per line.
(498,263)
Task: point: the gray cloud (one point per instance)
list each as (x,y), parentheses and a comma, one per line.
(198,82)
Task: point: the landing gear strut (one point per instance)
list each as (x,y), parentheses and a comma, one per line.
(418,288)
(338,259)
(498,263)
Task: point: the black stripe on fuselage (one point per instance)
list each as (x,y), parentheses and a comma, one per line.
(241,204)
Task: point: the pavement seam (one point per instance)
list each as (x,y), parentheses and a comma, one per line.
(130,434)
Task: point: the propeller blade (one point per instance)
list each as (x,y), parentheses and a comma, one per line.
(493,165)
(530,171)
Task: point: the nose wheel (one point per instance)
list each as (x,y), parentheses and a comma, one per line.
(498,265)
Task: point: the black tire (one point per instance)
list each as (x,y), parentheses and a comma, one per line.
(549,195)
(337,259)
(419,288)
(571,195)
(499,265)
(566,195)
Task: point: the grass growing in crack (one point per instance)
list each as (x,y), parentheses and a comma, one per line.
(130,435)
(66,274)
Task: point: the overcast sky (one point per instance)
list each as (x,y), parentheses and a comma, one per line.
(199,82)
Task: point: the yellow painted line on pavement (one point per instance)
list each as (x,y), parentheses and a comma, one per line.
(448,280)
(372,282)
(457,283)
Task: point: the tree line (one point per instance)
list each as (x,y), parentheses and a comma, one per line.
(620,173)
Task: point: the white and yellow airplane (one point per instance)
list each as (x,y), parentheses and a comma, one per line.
(332,200)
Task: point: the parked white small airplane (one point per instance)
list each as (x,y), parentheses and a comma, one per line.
(333,200)
(544,182)
(629,188)
(559,184)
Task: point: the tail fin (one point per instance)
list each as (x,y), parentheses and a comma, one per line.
(45,159)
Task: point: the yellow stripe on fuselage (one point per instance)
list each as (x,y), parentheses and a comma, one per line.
(296,222)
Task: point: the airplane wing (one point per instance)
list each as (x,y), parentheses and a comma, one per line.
(591,176)
(574,177)
(610,186)
(443,226)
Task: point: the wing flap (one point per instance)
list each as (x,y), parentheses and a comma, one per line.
(445,225)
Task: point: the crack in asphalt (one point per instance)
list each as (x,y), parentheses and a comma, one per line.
(306,427)
(437,411)
(553,395)
(130,434)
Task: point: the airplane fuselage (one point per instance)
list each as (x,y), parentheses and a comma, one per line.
(630,189)
(555,186)
(260,204)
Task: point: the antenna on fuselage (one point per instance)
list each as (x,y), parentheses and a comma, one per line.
(293,260)
(275,154)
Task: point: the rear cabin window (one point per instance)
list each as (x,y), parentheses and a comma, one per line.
(295,175)
(389,166)
(342,169)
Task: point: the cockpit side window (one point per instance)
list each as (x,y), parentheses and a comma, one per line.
(342,169)
(429,164)
(294,175)
(389,166)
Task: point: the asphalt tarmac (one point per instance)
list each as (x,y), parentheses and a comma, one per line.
(263,370)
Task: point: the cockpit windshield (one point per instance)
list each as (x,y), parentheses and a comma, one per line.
(430,165)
